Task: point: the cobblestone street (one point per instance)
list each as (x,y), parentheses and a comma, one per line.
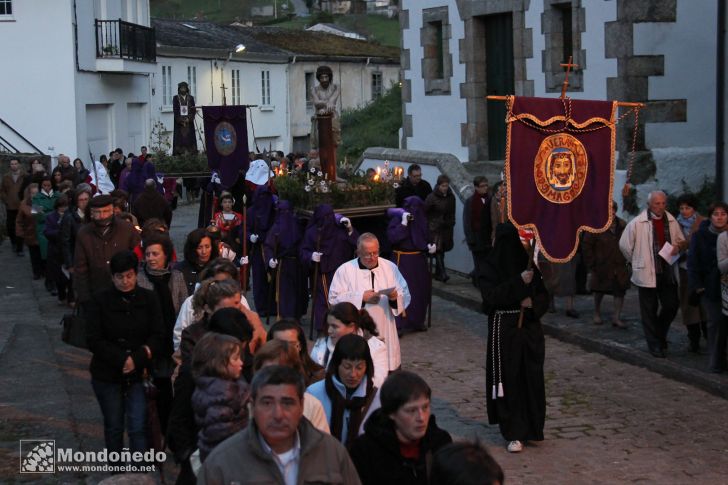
(607,421)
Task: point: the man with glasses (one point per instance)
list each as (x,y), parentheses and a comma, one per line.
(96,243)
(477,224)
(412,185)
(377,286)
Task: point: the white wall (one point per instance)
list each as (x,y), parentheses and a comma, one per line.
(689,47)
(37,84)
(119,92)
(436,120)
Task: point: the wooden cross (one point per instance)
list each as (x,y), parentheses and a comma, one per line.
(565,84)
(224,98)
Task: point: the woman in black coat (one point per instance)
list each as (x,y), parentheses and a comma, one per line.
(400,437)
(440,210)
(124,332)
(704,281)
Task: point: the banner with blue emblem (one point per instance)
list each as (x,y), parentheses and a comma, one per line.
(226,141)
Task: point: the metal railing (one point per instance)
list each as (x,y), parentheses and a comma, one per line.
(117,39)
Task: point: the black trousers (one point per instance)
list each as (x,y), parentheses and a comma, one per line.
(479,259)
(658,307)
(36,261)
(16,241)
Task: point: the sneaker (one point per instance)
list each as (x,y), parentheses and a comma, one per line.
(515,446)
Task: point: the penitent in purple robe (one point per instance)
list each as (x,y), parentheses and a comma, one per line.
(325,235)
(260,219)
(282,243)
(409,244)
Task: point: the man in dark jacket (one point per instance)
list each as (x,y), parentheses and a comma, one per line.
(477,224)
(399,438)
(151,204)
(413,185)
(96,243)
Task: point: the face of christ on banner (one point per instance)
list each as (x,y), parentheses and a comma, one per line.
(560,168)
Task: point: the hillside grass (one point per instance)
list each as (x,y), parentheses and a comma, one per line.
(376,27)
(224,11)
(377,124)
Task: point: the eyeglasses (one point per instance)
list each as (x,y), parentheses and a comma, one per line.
(373,254)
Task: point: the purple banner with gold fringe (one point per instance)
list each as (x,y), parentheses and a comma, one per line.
(226,141)
(560,169)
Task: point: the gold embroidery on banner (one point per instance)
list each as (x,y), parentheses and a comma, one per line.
(530,225)
(560,168)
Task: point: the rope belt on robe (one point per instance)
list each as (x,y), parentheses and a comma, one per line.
(497,390)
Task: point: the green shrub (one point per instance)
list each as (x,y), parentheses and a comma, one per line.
(377,124)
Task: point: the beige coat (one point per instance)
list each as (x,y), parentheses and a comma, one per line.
(636,245)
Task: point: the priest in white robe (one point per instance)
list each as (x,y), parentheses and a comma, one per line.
(377,286)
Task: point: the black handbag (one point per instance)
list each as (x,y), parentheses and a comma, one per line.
(74,330)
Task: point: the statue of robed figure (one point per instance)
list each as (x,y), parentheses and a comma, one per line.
(183,105)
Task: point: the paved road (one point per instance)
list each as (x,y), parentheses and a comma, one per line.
(607,422)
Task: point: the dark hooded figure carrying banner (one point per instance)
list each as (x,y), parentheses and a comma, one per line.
(514,298)
(560,169)
(183,106)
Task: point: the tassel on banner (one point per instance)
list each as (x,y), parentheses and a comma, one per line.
(495,393)
(500,389)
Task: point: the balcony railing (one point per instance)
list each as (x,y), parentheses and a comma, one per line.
(117,39)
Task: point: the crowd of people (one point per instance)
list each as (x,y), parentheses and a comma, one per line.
(180,359)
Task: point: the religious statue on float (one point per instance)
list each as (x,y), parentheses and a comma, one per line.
(183,105)
(325,96)
(325,126)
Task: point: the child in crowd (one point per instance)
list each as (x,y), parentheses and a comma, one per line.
(221,394)
(227,220)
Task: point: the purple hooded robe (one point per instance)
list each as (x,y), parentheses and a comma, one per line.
(409,253)
(260,219)
(282,243)
(324,234)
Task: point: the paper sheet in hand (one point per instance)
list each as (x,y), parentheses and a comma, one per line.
(386,291)
(666,253)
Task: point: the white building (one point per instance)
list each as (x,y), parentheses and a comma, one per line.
(274,72)
(203,54)
(80,73)
(659,52)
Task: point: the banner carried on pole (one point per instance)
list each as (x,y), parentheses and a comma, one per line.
(226,141)
(560,169)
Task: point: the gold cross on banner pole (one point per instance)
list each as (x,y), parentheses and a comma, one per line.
(565,84)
